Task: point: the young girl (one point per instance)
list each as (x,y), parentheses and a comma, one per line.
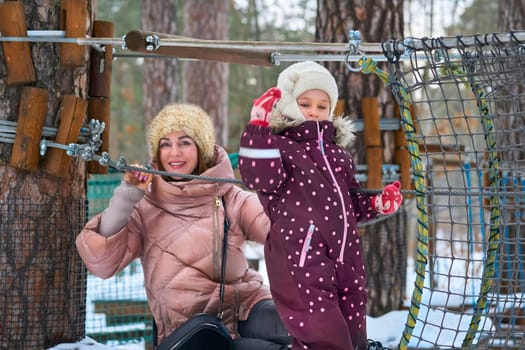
(294,157)
(176,226)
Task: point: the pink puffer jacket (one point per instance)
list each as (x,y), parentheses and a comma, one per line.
(176,230)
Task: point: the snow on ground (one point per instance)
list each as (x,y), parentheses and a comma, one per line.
(387,329)
(90,344)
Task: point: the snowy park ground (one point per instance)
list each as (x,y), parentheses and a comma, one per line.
(387,329)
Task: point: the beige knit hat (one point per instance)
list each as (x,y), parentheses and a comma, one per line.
(298,78)
(191,119)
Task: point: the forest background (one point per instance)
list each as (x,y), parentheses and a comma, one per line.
(248,20)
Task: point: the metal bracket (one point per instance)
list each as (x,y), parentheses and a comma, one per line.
(152,42)
(86,151)
(354,42)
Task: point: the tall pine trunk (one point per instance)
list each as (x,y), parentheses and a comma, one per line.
(161,76)
(42,279)
(206,82)
(384,243)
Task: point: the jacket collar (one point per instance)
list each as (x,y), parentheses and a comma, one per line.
(339,130)
(308,131)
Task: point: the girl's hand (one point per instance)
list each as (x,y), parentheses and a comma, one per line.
(262,107)
(389,201)
(138,179)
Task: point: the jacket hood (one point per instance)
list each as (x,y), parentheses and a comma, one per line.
(344,127)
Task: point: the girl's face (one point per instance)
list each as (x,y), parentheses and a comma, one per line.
(314,104)
(178,153)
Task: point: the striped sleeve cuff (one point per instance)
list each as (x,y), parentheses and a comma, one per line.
(259,153)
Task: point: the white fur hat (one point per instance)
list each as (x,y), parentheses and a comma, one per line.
(191,119)
(301,77)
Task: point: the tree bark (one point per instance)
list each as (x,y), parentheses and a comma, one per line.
(42,279)
(383,244)
(161,76)
(206,82)
(511,15)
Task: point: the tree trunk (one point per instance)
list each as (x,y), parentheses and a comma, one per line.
(161,76)
(511,15)
(42,279)
(206,82)
(383,244)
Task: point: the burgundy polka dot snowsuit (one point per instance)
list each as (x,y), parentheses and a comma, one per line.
(312,252)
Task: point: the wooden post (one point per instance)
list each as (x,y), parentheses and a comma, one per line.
(72,113)
(100,89)
(17,55)
(101,62)
(73,20)
(372,137)
(31,117)
(401,154)
(339,108)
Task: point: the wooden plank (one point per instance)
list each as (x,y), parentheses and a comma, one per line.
(73,20)
(372,139)
(101,64)
(25,153)
(17,55)
(72,114)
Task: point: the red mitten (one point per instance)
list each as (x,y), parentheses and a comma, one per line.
(389,200)
(262,107)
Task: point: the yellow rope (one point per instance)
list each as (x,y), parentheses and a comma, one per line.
(369,66)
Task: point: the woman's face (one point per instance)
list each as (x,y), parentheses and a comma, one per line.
(178,153)
(314,104)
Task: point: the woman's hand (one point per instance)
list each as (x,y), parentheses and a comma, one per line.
(138,179)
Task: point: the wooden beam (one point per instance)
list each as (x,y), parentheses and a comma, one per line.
(25,153)
(73,20)
(372,138)
(401,154)
(17,55)
(101,62)
(72,114)
(136,41)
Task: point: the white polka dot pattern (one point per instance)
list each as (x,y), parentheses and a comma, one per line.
(313,252)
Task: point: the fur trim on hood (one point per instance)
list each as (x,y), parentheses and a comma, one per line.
(344,127)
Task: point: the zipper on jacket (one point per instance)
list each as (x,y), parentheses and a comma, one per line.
(216,240)
(306,244)
(320,142)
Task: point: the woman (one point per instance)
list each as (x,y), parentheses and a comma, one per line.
(175,226)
